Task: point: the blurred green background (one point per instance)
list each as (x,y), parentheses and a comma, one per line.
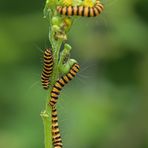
(106,106)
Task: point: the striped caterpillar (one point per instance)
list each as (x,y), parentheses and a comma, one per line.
(56,137)
(47,69)
(81,10)
(61,83)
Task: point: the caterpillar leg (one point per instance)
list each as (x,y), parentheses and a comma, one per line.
(56,137)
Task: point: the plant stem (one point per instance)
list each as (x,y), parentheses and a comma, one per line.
(47,127)
(46,114)
(58,28)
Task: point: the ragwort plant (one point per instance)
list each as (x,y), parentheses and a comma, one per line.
(61,14)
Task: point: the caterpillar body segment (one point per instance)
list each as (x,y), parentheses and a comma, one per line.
(56,137)
(81,10)
(61,83)
(47,69)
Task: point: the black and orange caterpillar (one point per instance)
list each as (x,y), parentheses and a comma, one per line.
(56,137)
(81,10)
(47,69)
(61,83)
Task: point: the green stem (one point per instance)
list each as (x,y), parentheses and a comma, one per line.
(46,115)
(57,34)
